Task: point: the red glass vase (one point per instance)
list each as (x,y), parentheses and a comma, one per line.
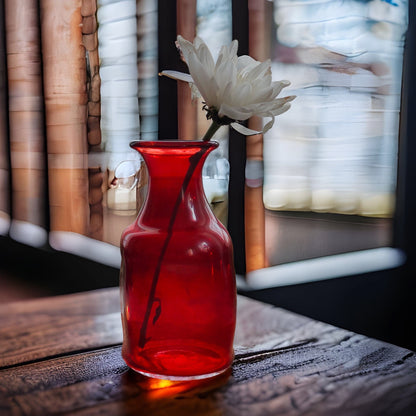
(177,280)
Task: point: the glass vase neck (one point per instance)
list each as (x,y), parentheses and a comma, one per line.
(175,176)
(158,155)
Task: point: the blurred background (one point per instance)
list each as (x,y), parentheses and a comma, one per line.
(79,81)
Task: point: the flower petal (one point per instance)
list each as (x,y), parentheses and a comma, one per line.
(241,95)
(243,130)
(259,71)
(245,62)
(277,87)
(194,91)
(223,55)
(225,74)
(185,47)
(268,125)
(205,83)
(198,42)
(205,57)
(282,109)
(260,95)
(282,101)
(233,112)
(180,76)
(233,48)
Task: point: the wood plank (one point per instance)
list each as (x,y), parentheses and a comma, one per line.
(47,327)
(335,373)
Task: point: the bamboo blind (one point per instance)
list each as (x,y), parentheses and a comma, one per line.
(25,105)
(53,107)
(187,109)
(95,171)
(54,110)
(4,162)
(64,70)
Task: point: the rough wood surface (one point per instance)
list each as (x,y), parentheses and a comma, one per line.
(62,356)
(40,329)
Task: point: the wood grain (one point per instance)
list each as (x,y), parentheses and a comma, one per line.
(285,364)
(45,328)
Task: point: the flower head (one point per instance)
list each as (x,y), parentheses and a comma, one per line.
(234,88)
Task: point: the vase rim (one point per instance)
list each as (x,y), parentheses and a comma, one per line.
(173,143)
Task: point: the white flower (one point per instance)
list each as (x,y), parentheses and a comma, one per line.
(234,88)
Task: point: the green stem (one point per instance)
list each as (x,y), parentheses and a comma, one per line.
(211,131)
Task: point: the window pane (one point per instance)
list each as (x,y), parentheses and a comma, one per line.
(330,162)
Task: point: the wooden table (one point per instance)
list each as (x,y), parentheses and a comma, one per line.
(61,355)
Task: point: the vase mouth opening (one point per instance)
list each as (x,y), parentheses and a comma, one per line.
(169,144)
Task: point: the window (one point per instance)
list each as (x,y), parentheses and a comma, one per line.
(336,152)
(329,164)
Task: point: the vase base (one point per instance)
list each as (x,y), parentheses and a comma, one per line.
(178,364)
(180,378)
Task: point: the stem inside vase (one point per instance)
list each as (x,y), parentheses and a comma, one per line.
(193,162)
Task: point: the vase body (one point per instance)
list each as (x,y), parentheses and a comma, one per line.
(177,280)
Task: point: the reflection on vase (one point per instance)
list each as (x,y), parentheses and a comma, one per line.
(215,178)
(121,194)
